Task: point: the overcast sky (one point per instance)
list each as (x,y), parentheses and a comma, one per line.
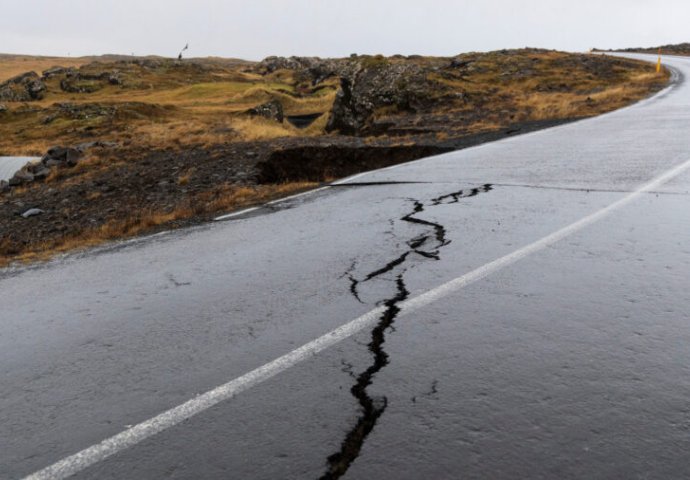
(254,29)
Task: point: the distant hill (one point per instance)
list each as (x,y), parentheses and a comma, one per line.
(214,61)
(14,64)
(677,49)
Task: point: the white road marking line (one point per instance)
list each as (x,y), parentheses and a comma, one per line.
(237,213)
(500,263)
(296,195)
(110,446)
(272,202)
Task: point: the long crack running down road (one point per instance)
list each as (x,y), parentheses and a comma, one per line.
(426,245)
(514,310)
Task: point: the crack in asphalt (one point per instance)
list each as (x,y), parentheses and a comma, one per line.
(372,408)
(176,283)
(439,230)
(584,189)
(388,267)
(456,196)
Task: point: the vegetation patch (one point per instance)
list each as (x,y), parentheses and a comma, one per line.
(166,143)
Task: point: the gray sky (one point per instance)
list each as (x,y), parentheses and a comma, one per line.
(254,29)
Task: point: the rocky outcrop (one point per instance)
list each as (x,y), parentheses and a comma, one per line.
(313,70)
(402,86)
(56,71)
(272,110)
(23,88)
(459,62)
(56,157)
(78,83)
(272,64)
(61,156)
(367,83)
(83,81)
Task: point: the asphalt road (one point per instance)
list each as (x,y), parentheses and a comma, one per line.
(531,319)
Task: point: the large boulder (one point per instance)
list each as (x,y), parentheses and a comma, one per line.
(89,81)
(374,85)
(271,64)
(55,71)
(56,157)
(61,156)
(272,110)
(23,88)
(308,69)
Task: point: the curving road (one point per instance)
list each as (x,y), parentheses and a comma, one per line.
(521,310)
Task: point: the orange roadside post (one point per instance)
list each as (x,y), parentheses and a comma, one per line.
(658,63)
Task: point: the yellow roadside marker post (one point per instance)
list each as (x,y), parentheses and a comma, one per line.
(658,63)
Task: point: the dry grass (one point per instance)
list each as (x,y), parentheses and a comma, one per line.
(222,199)
(185,177)
(258,128)
(176,113)
(208,109)
(544,105)
(166,114)
(546,86)
(13,65)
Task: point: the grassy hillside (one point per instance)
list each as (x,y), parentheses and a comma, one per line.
(673,49)
(158,103)
(12,65)
(181,141)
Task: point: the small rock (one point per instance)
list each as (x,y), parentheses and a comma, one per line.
(51,72)
(36,89)
(66,155)
(114,78)
(458,63)
(22,176)
(32,212)
(51,162)
(41,173)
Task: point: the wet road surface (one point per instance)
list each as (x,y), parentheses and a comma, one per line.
(570,361)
